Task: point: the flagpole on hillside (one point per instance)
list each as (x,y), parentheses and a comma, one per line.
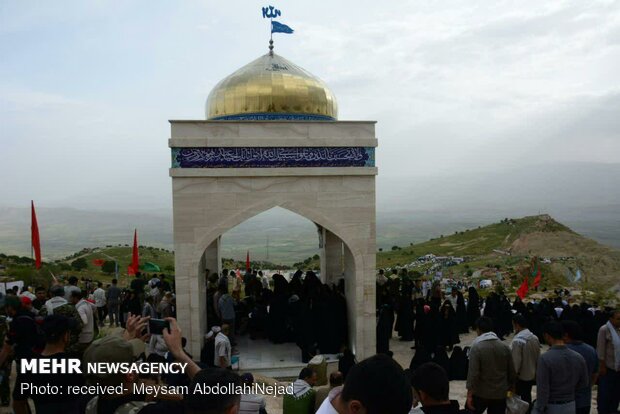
(31,230)
(35,240)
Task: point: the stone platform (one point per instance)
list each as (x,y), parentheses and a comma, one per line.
(279,361)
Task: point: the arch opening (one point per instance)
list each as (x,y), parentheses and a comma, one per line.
(267,329)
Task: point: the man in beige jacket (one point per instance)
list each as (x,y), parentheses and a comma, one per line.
(525,350)
(491,371)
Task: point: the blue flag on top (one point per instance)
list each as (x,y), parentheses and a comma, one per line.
(280,28)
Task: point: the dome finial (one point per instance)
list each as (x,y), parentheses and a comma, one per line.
(270,47)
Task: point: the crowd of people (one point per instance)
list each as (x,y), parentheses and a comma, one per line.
(303,311)
(85,307)
(584,343)
(66,320)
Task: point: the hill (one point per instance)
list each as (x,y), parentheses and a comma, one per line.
(506,249)
(510,246)
(82,265)
(507,235)
(501,250)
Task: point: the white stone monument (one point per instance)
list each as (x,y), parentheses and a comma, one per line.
(272,138)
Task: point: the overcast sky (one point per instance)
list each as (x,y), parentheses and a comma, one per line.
(87,87)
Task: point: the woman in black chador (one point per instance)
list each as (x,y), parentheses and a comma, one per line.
(461,313)
(505,317)
(448,330)
(384,329)
(295,285)
(421,332)
(440,357)
(405,314)
(421,356)
(277,327)
(473,307)
(458,364)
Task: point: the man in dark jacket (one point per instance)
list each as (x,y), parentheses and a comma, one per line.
(560,373)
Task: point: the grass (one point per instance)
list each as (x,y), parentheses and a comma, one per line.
(537,233)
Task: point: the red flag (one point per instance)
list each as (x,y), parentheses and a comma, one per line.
(247,261)
(134,267)
(36,242)
(537,280)
(523,289)
(98,262)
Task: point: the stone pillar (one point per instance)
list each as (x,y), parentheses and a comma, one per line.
(351,293)
(322,254)
(213,256)
(191,300)
(334,260)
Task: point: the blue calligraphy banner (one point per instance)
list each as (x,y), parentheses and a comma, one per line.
(273,116)
(276,157)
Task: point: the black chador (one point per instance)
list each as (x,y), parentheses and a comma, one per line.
(277,319)
(421,356)
(473,307)
(405,312)
(384,329)
(458,364)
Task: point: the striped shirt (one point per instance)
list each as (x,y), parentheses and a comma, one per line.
(251,404)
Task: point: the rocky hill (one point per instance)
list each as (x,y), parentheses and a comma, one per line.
(512,243)
(505,248)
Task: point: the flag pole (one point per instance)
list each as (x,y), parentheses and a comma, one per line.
(271,36)
(31,241)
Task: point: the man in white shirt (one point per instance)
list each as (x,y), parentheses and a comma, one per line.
(223,349)
(100,302)
(251,403)
(85,310)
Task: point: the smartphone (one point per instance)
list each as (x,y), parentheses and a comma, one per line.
(157,326)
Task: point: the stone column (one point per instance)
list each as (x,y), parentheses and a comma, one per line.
(351,292)
(334,260)
(213,256)
(190,290)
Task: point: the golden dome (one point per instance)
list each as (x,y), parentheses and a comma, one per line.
(271,88)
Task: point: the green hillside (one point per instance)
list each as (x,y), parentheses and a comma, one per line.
(82,265)
(499,251)
(475,242)
(506,250)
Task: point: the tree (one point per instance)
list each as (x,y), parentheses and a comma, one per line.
(108,267)
(79,264)
(64,266)
(316,257)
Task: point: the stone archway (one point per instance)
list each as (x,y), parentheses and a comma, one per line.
(338,258)
(337,193)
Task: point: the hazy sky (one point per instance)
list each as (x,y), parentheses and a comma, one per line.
(87,87)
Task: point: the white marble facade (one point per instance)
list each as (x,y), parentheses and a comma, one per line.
(207,202)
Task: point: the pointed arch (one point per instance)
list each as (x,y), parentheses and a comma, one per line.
(252,210)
